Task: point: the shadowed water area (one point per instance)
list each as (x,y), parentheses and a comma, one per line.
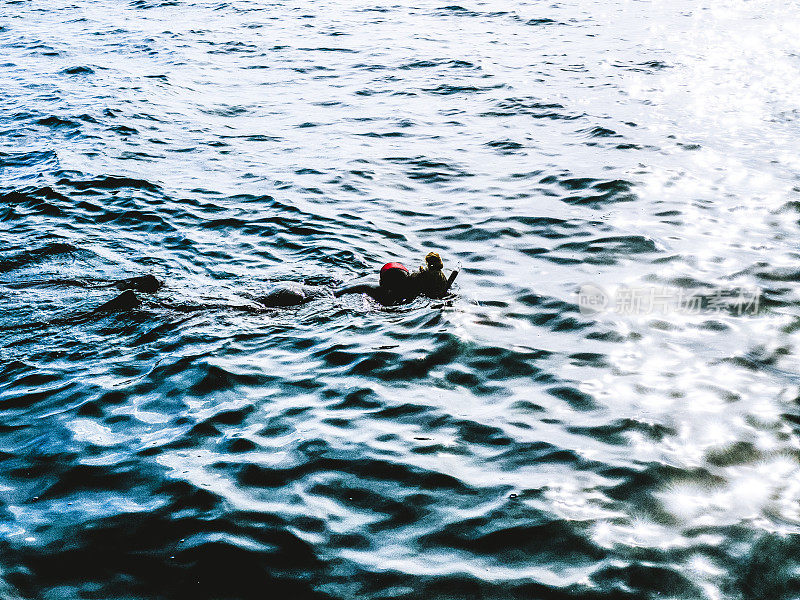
(501,444)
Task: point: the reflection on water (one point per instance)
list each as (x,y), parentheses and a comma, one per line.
(501,444)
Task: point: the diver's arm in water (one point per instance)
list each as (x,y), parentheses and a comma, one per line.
(361,288)
(380,294)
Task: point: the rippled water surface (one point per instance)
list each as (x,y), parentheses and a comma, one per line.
(499,444)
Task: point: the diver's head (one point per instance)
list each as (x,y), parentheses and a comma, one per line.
(434,261)
(393,276)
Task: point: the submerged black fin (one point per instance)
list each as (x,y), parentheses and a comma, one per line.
(125,301)
(145,283)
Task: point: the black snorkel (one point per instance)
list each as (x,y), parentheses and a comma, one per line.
(451,279)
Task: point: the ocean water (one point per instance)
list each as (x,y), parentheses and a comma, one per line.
(505,443)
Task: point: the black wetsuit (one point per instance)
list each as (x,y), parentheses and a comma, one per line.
(379,293)
(280,296)
(413,286)
(291,295)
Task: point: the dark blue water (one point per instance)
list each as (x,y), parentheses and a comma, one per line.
(500,444)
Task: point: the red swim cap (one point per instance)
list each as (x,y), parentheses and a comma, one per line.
(393,265)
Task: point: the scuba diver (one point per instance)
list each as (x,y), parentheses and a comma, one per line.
(397,285)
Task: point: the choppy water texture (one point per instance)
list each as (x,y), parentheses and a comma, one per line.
(498,445)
